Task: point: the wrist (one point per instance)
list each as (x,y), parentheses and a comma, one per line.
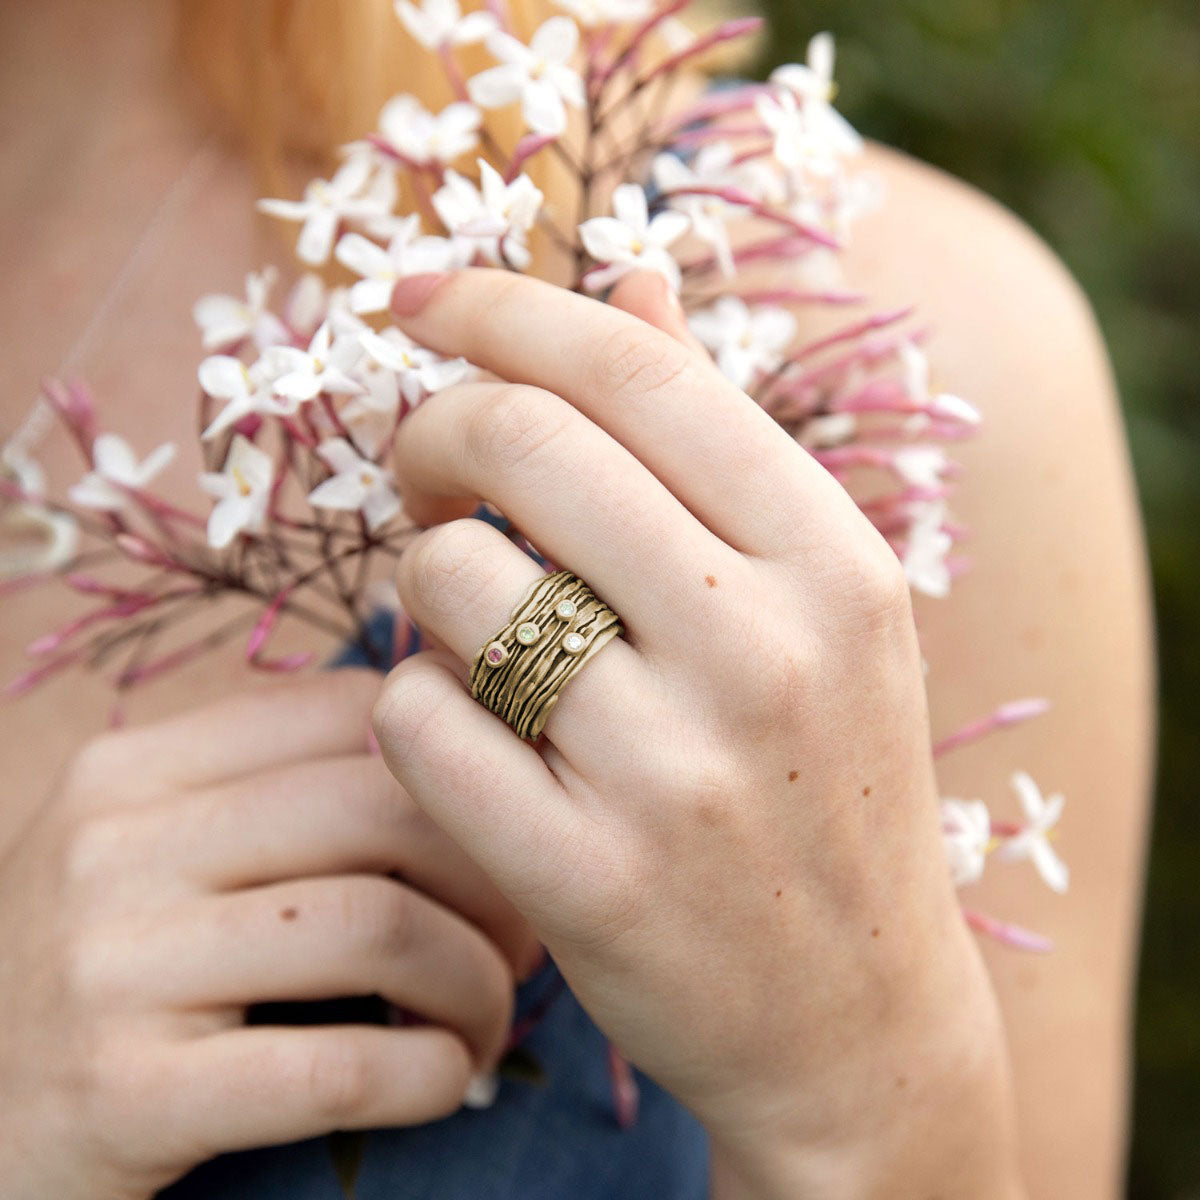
(926,1118)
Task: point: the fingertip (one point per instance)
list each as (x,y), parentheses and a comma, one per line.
(648,295)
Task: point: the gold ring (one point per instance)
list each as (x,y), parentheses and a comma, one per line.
(556,626)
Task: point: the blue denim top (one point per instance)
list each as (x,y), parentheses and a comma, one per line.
(551,1134)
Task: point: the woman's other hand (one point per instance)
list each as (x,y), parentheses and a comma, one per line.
(182,871)
(729,839)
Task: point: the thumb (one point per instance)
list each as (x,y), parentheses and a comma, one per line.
(648,295)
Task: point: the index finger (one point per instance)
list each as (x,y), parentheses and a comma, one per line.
(316,716)
(722,455)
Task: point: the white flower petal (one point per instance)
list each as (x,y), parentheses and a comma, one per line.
(94,491)
(344,492)
(339,455)
(1049,866)
(474,27)
(820,55)
(289,210)
(223,377)
(114,458)
(316,236)
(957,409)
(542,107)
(380,505)
(371,295)
(154,462)
(629,206)
(606,239)
(508,49)
(555,39)
(298,385)
(667,227)
(568,84)
(1029,794)
(225,521)
(353,174)
(363,256)
(496,86)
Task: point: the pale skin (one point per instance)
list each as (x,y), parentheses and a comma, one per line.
(1048,495)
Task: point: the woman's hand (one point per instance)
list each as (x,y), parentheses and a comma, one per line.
(183,871)
(729,839)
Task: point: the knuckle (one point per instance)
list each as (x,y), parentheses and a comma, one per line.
(409,708)
(99,761)
(338,1079)
(516,424)
(705,780)
(590,898)
(96,842)
(86,967)
(375,915)
(382,808)
(787,675)
(441,565)
(876,593)
(637,360)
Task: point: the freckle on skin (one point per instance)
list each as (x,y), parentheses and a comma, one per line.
(875,931)
(288,914)
(778,893)
(1032,638)
(901,1081)
(866,791)
(793,776)
(711,580)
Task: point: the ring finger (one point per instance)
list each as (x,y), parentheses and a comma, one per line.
(461,580)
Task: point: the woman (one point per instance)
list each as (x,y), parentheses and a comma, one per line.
(708,846)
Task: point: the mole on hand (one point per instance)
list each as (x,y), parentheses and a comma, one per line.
(288,914)
(711,580)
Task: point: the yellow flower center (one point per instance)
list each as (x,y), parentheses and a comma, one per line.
(243,484)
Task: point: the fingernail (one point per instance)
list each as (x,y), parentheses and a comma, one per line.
(410,293)
(481,1091)
(671,297)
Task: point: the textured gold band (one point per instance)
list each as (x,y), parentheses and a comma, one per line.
(552,631)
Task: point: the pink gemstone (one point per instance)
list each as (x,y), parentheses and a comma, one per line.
(494,654)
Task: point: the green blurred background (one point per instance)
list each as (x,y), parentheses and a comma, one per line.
(1083,116)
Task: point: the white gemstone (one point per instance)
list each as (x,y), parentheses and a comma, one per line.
(565,609)
(572,643)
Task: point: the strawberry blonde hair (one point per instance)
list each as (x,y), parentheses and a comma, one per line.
(295,79)
(302,77)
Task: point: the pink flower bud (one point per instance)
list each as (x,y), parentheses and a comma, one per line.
(1008,934)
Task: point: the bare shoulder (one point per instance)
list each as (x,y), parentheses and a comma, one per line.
(1056,604)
